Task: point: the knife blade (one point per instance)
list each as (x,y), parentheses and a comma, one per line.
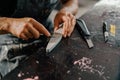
(54,40)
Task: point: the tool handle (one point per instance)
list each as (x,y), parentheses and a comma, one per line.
(82,28)
(105,31)
(84,32)
(105,27)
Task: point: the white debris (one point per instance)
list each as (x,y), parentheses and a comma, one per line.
(85,65)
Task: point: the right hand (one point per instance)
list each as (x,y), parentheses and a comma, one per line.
(26,28)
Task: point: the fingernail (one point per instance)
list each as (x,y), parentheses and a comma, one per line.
(65,36)
(69,35)
(55,29)
(49,35)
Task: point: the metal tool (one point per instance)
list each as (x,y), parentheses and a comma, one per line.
(105,31)
(10,50)
(54,40)
(83,30)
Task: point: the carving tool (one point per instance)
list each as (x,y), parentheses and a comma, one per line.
(105,31)
(54,40)
(84,32)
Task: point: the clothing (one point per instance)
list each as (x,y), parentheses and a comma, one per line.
(37,9)
(7,7)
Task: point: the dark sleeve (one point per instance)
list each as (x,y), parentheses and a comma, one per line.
(64,1)
(7,7)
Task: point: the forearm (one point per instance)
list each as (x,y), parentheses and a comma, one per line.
(70,6)
(3,25)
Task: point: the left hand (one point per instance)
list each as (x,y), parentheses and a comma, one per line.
(67,19)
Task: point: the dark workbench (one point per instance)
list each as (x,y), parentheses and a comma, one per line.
(72,60)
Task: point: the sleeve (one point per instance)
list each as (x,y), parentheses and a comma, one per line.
(7,7)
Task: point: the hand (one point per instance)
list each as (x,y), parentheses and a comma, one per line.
(26,28)
(68,21)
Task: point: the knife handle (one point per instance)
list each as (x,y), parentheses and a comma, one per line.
(82,28)
(105,31)
(84,32)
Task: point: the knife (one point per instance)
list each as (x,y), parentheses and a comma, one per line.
(84,32)
(105,31)
(54,40)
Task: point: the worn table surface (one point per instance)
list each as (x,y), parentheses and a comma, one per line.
(72,60)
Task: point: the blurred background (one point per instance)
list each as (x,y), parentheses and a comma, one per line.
(84,6)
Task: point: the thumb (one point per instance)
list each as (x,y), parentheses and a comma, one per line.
(56,25)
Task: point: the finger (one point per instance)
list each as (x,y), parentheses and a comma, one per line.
(64,29)
(69,26)
(64,25)
(40,27)
(71,16)
(28,33)
(33,31)
(28,79)
(56,25)
(23,36)
(73,22)
(70,23)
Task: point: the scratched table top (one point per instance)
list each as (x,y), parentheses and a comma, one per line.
(72,59)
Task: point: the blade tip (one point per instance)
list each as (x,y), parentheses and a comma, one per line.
(47,50)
